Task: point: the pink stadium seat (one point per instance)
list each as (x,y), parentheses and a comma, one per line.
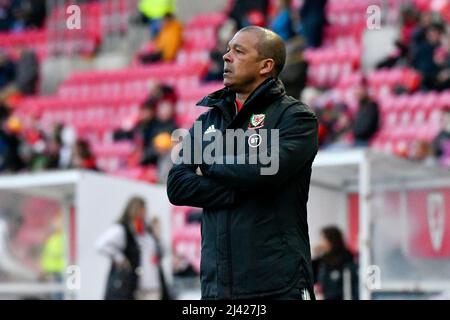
(207,20)
(429,101)
(193,56)
(443,101)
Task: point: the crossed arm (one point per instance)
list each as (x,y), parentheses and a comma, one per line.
(221,183)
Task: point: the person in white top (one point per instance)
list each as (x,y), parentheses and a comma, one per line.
(135,255)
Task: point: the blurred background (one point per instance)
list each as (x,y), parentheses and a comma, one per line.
(90,92)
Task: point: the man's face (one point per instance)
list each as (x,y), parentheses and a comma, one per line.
(242,62)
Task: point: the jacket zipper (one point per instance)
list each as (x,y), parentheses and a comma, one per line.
(228,223)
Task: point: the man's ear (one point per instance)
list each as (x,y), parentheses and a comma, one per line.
(267,66)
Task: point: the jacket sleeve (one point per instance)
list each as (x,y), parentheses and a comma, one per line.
(298,145)
(186,188)
(112,243)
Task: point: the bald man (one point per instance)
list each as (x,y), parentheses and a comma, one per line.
(255,241)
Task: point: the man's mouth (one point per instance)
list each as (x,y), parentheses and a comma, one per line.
(226,71)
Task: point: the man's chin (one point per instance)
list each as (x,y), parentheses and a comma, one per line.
(227,83)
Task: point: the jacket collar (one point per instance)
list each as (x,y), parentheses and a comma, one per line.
(267,92)
(269,88)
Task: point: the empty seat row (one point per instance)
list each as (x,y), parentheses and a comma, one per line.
(418,101)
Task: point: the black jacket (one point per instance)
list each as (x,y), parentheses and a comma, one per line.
(255,239)
(366,121)
(329,273)
(122,284)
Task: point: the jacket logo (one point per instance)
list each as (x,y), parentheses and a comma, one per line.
(257,121)
(210,129)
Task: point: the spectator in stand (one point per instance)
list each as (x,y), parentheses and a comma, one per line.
(83,157)
(366,120)
(418,33)
(7,70)
(54,146)
(249,12)
(409,17)
(311,97)
(68,139)
(27,14)
(154,11)
(4,144)
(282,22)
(27,72)
(35,145)
(10,142)
(313,20)
(160,91)
(162,144)
(422,59)
(398,57)
(215,67)
(295,73)
(333,261)
(145,129)
(35,13)
(19,16)
(167,42)
(165,114)
(26,75)
(165,99)
(339,130)
(441,143)
(165,123)
(6,15)
(439,77)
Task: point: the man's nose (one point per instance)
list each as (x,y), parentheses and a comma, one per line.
(226,57)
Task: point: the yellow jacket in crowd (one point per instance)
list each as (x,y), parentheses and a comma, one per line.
(156,9)
(169,39)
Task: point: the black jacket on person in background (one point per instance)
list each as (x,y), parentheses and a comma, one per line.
(366,122)
(255,240)
(329,273)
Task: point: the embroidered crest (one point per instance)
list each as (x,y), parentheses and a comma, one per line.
(257,121)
